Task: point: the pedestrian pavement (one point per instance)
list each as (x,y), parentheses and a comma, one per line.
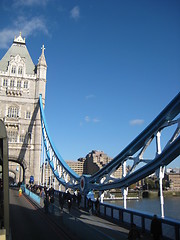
(91,223)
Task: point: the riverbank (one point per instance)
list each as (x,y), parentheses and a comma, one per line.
(133,195)
(154,194)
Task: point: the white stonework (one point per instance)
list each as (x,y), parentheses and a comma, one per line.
(21,83)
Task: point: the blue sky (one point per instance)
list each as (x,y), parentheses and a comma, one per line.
(112,66)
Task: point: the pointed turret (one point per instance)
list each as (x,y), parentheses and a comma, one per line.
(42,60)
(19,39)
(41,75)
(42,66)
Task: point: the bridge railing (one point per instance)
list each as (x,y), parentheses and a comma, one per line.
(117,214)
(170,227)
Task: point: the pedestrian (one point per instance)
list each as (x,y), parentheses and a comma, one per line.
(79,199)
(90,205)
(46,205)
(156,228)
(46,191)
(97,206)
(61,200)
(51,198)
(133,233)
(69,202)
(74,199)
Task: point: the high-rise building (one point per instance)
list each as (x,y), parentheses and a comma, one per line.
(92,163)
(21,83)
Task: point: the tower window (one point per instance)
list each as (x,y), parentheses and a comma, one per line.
(12,83)
(13,69)
(13,112)
(18,84)
(26,84)
(28,115)
(20,70)
(5,82)
(21,138)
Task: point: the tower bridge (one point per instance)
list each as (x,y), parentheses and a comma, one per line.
(21,83)
(31,149)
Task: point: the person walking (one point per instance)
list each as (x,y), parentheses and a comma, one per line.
(69,202)
(61,200)
(156,228)
(133,233)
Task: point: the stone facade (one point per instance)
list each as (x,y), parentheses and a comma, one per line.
(174,181)
(21,83)
(92,163)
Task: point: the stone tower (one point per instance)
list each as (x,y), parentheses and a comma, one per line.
(21,83)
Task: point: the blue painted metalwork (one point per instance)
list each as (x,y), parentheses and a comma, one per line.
(103,180)
(54,158)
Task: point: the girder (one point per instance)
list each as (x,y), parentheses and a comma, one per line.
(143,140)
(63,173)
(103,179)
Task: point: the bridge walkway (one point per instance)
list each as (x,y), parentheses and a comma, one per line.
(28,221)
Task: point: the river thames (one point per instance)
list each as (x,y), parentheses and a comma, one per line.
(152,206)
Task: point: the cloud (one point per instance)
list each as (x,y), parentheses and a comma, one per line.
(136,122)
(26,26)
(75,13)
(94,120)
(87,119)
(22,3)
(90,96)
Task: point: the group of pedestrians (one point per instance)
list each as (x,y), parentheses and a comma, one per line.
(97,206)
(63,198)
(69,199)
(66,197)
(48,199)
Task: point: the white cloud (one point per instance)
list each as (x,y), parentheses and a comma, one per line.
(21,3)
(136,122)
(26,26)
(6,36)
(87,119)
(94,120)
(75,13)
(90,96)
(34,25)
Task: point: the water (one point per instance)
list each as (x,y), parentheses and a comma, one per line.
(152,206)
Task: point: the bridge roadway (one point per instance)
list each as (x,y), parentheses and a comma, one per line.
(28,221)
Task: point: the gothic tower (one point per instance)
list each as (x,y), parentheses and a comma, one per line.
(21,83)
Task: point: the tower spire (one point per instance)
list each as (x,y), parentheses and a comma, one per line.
(42,60)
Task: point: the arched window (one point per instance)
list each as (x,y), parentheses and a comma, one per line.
(28,115)
(13,69)
(25,84)
(12,83)
(13,112)
(19,84)
(20,70)
(5,82)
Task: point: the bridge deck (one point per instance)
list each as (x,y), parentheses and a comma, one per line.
(28,222)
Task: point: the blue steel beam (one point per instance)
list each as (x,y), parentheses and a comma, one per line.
(49,145)
(168,114)
(93,182)
(167,156)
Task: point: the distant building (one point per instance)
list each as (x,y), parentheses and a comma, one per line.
(92,163)
(174,181)
(76,166)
